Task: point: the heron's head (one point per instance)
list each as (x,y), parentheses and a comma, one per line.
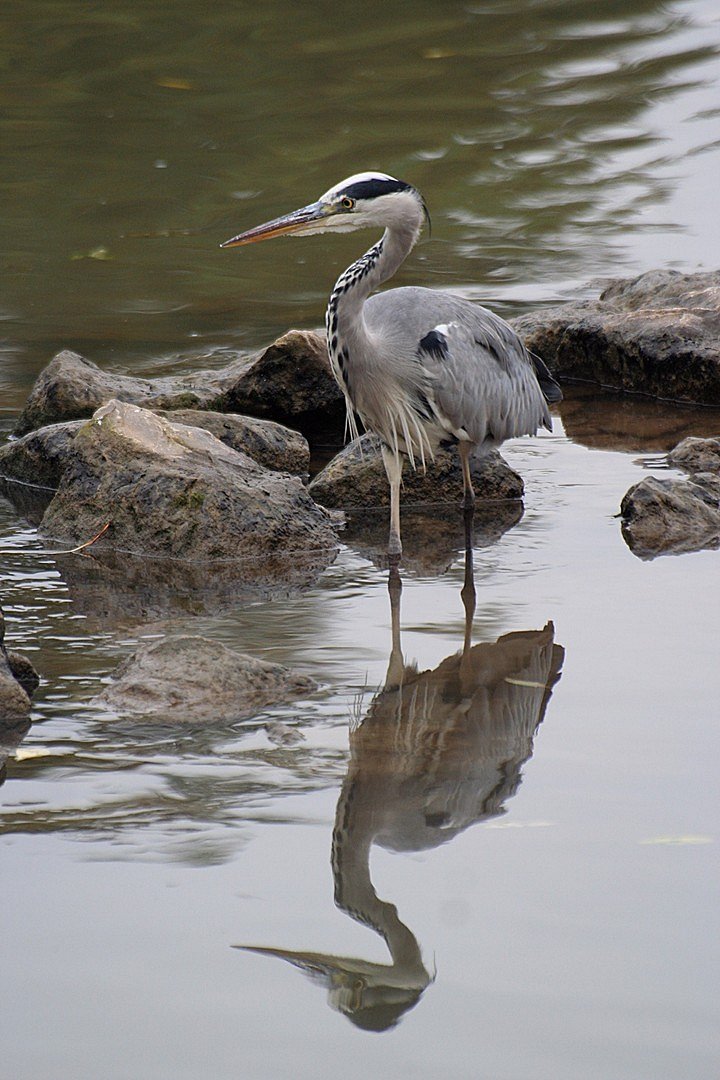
(365,200)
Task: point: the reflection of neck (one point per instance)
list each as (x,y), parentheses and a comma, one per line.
(355,828)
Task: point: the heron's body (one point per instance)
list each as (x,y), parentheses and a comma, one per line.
(421,368)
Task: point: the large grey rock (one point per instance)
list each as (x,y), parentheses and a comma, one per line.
(71,387)
(272,445)
(174,491)
(356,478)
(188,679)
(286,381)
(656,334)
(290,380)
(669,516)
(31,467)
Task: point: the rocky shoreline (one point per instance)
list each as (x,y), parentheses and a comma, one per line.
(195,490)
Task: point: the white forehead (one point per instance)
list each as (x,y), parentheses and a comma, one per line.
(356,178)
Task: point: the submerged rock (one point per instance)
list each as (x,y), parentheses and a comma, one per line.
(18,682)
(176,492)
(656,334)
(695,455)
(187,679)
(356,478)
(286,381)
(668,516)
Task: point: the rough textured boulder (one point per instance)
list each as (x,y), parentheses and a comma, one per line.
(669,516)
(71,387)
(186,679)
(356,478)
(288,380)
(176,491)
(31,467)
(656,334)
(271,445)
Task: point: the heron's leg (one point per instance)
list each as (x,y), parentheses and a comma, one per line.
(468,594)
(465,450)
(393,468)
(396,666)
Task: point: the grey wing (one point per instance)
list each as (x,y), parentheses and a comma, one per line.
(483,380)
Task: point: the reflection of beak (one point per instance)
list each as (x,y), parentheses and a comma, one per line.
(290,223)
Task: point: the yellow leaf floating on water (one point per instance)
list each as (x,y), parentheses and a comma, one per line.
(28,753)
(100,253)
(675,840)
(174,84)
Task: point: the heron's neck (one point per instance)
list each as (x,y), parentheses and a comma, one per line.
(344,314)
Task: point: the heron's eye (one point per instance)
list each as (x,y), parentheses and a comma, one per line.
(347,203)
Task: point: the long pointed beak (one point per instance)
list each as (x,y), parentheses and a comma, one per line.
(289,223)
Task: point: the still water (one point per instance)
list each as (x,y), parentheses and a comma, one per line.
(522,888)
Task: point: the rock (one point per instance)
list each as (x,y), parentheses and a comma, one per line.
(668,516)
(14,700)
(271,445)
(23,671)
(696,455)
(187,679)
(71,387)
(356,478)
(656,334)
(176,492)
(31,467)
(18,681)
(290,379)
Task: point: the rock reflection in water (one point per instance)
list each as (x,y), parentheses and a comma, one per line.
(438,751)
(116,586)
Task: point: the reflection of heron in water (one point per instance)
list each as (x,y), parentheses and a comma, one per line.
(438,751)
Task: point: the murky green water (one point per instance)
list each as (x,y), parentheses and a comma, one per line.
(552,863)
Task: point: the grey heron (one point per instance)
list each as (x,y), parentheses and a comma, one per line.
(421,368)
